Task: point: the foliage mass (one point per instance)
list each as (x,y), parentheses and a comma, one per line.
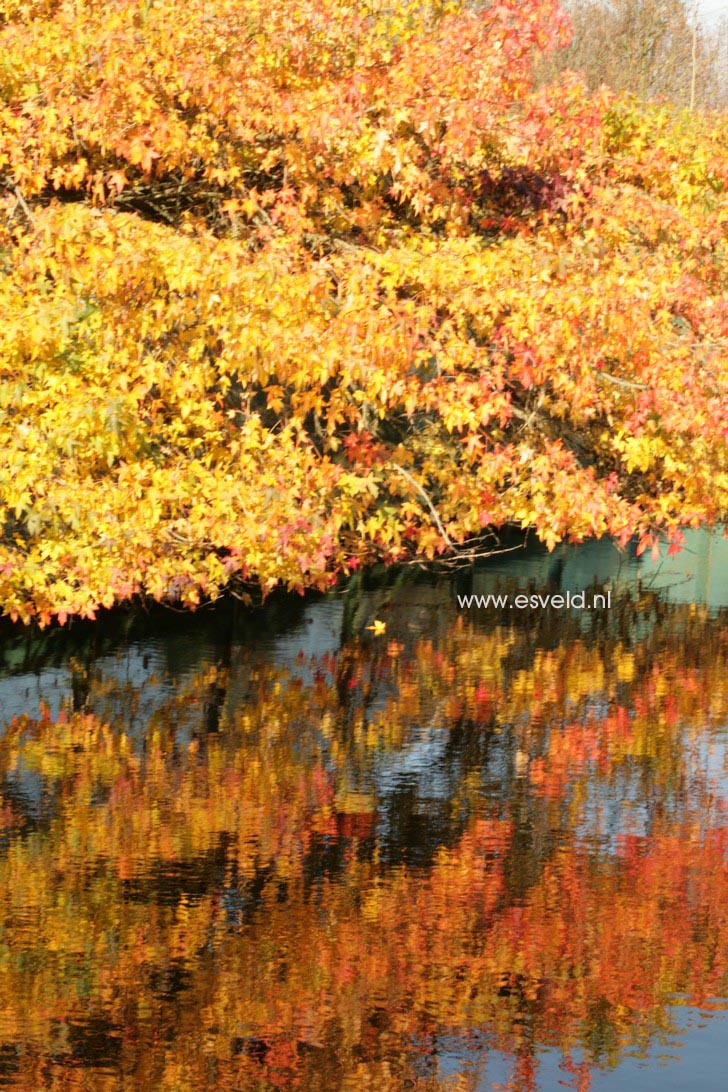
(288,287)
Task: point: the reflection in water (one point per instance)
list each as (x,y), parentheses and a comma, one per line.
(479,851)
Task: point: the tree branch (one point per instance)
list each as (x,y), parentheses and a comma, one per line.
(622,382)
(433,511)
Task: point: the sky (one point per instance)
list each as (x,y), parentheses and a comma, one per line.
(711,10)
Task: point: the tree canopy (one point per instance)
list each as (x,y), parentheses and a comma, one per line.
(290,287)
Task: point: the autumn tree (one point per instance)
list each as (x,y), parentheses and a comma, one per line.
(290,287)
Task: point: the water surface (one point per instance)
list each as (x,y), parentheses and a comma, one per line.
(273,849)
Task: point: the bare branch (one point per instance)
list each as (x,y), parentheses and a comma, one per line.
(433,511)
(622,382)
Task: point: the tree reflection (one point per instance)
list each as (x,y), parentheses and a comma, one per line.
(486,838)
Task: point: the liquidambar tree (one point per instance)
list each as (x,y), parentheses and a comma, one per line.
(288,286)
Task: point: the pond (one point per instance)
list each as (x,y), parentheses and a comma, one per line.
(374,840)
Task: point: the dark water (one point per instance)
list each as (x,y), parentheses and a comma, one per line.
(482,849)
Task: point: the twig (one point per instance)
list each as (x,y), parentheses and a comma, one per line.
(433,511)
(21,201)
(462,557)
(528,418)
(337,244)
(622,382)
